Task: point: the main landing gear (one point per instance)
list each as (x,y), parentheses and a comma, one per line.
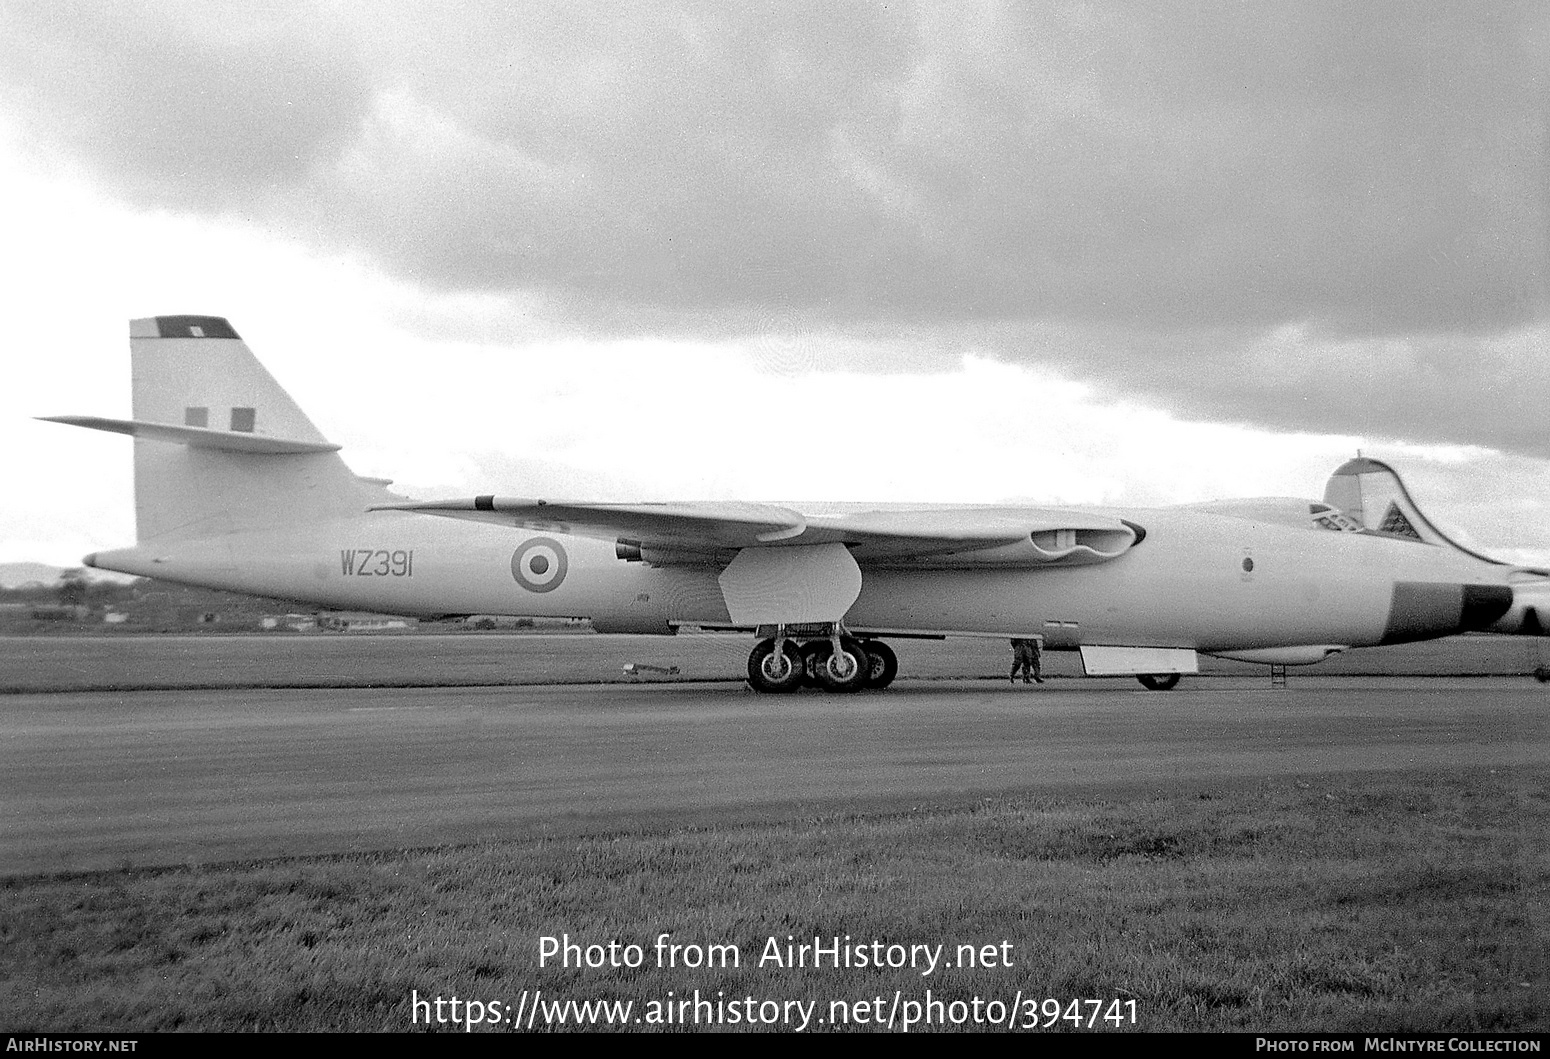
(837,662)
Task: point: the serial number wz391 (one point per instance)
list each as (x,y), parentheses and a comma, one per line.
(376,562)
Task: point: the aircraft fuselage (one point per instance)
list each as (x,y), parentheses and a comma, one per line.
(1199,580)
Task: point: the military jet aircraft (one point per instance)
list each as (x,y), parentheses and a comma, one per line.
(236,489)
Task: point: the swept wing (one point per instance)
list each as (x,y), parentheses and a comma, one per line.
(669,533)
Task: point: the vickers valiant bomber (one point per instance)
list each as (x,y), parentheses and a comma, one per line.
(236,489)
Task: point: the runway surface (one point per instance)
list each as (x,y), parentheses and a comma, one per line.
(127,661)
(104,780)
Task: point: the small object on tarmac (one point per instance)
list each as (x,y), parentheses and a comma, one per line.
(637,669)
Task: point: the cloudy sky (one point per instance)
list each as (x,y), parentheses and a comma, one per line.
(1125,254)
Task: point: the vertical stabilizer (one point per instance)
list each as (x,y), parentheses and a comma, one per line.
(196,373)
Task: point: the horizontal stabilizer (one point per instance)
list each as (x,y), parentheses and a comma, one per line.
(197,437)
(219,446)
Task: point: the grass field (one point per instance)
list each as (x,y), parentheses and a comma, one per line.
(1398,903)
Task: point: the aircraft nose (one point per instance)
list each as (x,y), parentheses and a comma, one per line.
(1483,605)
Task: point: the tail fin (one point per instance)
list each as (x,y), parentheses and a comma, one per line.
(1371,494)
(197,371)
(219,446)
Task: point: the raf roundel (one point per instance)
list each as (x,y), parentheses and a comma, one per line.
(540,564)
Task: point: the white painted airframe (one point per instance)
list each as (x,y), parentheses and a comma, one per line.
(236,489)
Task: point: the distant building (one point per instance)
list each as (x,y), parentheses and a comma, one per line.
(489,622)
(352,621)
(58,612)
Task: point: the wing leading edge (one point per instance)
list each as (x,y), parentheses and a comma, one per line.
(713,532)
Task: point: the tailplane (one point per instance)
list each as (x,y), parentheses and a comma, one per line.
(220,447)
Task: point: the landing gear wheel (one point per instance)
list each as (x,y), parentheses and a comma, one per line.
(1542,674)
(882,664)
(813,654)
(768,671)
(1158,681)
(846,670)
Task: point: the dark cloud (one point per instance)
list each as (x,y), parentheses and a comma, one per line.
(1487,390)
(1373,168)
(1184,200)
(208,108)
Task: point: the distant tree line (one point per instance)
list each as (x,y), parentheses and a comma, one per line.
(74,588)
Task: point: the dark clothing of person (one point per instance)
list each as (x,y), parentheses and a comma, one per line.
(1025,658)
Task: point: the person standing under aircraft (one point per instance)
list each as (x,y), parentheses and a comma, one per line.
(1021,660)
(1025,657)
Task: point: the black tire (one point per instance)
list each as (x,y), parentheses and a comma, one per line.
(813,654)
(765,672)
(1542,674)
(882,664)
(1158,681)
(849,674)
